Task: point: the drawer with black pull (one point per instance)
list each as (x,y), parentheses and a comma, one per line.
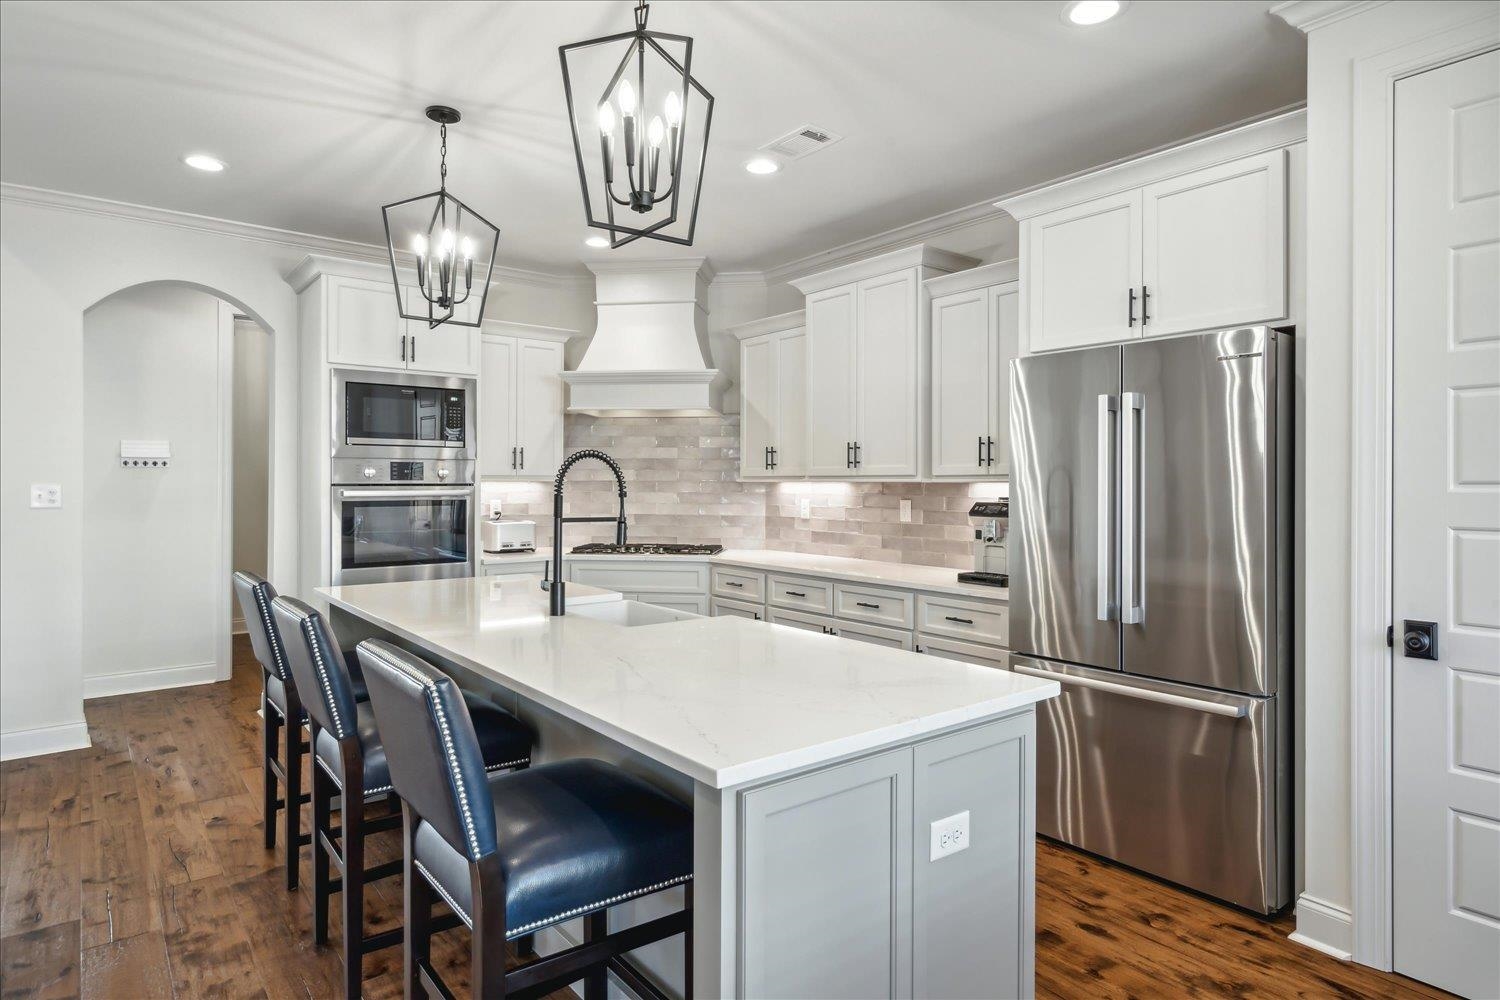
(976,621)
(800,594)
(738,584)
(894,608)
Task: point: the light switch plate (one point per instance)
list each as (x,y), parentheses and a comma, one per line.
(804,507)
(905,511)
(949,835)
(46,496)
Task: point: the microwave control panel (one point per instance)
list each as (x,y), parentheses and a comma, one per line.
(453,415)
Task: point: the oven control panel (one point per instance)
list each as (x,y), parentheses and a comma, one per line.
(406,472)
(403,472)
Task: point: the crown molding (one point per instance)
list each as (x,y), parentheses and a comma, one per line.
(740,278)
(770,324)
(329,246)
(999,273)
(528,331)
(695,265)
(1309,15)
(920,255)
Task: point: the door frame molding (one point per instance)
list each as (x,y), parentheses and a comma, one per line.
(1372,485)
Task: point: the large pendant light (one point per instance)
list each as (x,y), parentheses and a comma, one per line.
(646,112)
(452,245)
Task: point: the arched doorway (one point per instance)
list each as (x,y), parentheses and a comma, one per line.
(160,375)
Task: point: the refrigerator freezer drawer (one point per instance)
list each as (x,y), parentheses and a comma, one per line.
(1176,781)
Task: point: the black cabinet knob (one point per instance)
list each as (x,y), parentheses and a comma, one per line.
(1419,640)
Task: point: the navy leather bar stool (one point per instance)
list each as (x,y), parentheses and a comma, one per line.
(513,853)
(281,711)
(349,760)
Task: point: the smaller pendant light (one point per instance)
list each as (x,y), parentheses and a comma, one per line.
(451,243)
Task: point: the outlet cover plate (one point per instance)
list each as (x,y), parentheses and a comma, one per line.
(804,507)
(46,496)
(949,835)
(905,511)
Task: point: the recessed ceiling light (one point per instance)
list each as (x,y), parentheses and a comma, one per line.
(762,165)
(597,242)
(1086,12)
(204,162)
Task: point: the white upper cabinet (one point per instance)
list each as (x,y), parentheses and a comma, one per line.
(975,323)
(867,366)
(773,397)
(444,349)
(521,401)
(365,328)
(1214,246)
(1181,240)
(1084,273)
(830,381)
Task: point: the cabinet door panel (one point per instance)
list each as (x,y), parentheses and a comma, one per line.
(962,382)
(445,349)
(497,407)
(887,376)
(366,326)
(830,380)
(1005,340)
(539,407)
(790,416)
(757,405)
(825,905)
(1215,246)
(1082,264)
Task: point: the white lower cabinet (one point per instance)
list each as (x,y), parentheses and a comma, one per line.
(696,604)
(894,638)
(737,584)
(967,652)
(796,593)
(721,608)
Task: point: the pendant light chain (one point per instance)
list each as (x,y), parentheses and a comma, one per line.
(443,157)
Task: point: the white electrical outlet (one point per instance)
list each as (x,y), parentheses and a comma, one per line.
(804,507)
(46,495)
(949,835)
(905,511)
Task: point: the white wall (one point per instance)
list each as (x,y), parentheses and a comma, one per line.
(250,454)
(152,540)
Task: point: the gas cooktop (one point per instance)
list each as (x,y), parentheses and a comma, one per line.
(646,549)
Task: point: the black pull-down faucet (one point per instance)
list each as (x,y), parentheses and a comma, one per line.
(557,604)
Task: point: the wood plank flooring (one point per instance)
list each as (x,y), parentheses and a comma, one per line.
(135,869)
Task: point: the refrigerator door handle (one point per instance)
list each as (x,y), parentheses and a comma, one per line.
(1130,691)
(1132,508)
(1105,506)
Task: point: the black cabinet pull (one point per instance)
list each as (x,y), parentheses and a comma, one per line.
(856,454)
(961,621)
(862,604)
(731,583)
(1145,305)
(1130,320)
(981,449)
(756,615)
(991,445)
(513,458)
(413,348)
(403,348)
(765,458)
(523,456)
(848,454)
(795,593)
(773,457)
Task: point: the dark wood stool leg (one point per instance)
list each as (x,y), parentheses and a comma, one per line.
(322,795)
(352,843)
(687,945)
(417,911)
(487,943)
(596,982)
(293,757)
(268,727)
(526,946)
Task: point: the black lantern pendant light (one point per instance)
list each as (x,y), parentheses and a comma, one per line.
(628,172)
(451,243)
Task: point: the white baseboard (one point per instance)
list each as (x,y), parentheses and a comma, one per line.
(1324,926)
(107,685)
(47,739)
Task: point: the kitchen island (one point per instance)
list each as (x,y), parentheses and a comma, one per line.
(863,817)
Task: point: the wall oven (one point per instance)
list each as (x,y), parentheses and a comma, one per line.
(391,415)
(402,519)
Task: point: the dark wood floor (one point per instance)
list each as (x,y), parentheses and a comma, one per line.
(135,869)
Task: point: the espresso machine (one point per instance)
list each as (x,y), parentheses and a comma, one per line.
(991,523)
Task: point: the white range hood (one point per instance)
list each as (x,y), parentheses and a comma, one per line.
(649,355)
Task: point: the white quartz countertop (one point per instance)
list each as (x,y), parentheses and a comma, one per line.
(723,700)
(934,579)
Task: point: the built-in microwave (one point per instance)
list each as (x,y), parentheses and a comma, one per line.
(386,415)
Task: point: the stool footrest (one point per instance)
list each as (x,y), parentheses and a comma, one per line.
(537,979)
(634,981)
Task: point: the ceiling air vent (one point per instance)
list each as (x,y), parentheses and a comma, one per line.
(797,144)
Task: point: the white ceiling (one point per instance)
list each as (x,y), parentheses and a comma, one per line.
(317,107)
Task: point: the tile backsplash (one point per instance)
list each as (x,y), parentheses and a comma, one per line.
(681,476)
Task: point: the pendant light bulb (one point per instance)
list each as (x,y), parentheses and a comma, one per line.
(655,133)
(627,99)
(419,245)
(606,119)
(445,246)
(674,109)
(467,248)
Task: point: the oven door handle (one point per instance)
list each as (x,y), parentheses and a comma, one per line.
(403,494)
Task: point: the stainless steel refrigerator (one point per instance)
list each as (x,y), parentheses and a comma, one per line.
(1149,553)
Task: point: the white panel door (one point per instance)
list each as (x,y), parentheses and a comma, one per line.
(1446,526)
(830,381)
(886,384)
(444,349)
(365,328)
(1082,266)
(498,449)
(1214,247)
(757,405)
(963,383)
(790,416)
(539,407)
(1005,340)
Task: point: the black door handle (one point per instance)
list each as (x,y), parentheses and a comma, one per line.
(848,454)
(862,604)
(990,445)
(523,456)
(1145,305)
(856,454)
(961,621)
(513,458)
(403,348)
(1419,640)
(1130,320)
